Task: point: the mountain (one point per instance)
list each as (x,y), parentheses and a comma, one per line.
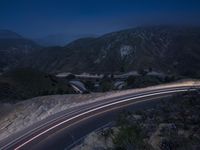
(161,48)
(60,39)
(56,59)
(7,34)
(13,47)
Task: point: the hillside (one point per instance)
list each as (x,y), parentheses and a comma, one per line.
(161,48)
(157,127)
(21,84)
(14,47)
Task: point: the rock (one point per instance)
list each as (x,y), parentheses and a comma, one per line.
(95,141)
(162,130)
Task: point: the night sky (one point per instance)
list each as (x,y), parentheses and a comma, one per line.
(37,18)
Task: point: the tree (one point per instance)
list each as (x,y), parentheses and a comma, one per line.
(150,69)
(142,72)
(122,69)
(89,85)
(106,86)
(129,137)
(130,80)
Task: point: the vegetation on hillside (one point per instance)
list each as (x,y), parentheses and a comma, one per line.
(26,83)
(165,127)
(171,124)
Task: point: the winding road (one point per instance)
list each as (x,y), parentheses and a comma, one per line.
(67,128)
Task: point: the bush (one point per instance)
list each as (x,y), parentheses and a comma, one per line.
(130,80)
(106,86)
(129,137)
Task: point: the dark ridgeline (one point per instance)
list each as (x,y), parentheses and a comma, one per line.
(13,48)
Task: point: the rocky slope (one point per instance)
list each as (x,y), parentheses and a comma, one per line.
(18,116)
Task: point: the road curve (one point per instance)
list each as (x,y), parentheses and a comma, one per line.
(46,128)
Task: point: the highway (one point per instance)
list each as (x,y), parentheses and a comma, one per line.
(67,127)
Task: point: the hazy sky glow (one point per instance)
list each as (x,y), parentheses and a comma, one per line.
(36,18)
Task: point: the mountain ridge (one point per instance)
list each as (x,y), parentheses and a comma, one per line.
(162,48)
(166,49)
(8,34)
(13,47)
